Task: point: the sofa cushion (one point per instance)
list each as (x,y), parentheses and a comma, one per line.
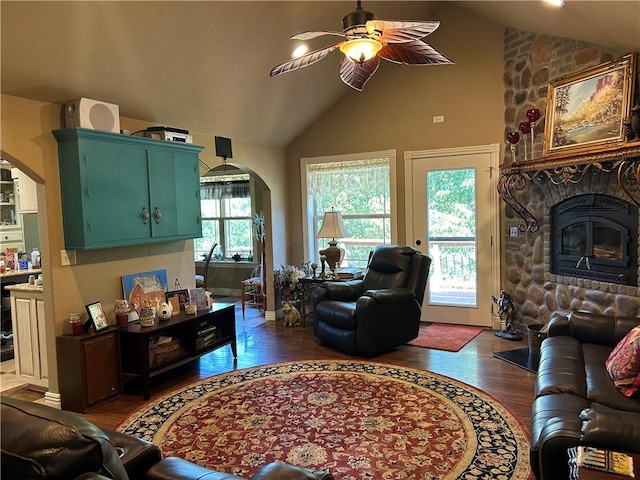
(623,364)
(600,388)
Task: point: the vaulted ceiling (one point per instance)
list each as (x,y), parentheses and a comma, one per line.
(204,65)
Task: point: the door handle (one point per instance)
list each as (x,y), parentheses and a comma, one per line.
(158,215)
(144,215)
(418,242)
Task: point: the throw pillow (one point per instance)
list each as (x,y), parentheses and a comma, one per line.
(623,363)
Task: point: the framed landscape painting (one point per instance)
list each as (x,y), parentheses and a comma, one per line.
(586,111)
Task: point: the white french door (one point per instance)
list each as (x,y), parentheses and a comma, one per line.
(452,215)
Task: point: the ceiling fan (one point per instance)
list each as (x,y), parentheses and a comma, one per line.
(366,41)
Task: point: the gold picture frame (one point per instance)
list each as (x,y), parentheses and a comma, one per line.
(586,111)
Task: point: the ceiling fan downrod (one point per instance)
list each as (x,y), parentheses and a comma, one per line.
(357,18)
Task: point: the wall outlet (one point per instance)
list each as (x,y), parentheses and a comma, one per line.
(67,257)
(438,119)
(513,232)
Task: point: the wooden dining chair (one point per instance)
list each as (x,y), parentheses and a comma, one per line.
(252,291)
(201,280)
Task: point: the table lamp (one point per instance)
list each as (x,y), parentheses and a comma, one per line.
(332,227)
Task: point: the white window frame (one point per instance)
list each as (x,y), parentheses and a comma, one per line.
(307,221)
(224,217)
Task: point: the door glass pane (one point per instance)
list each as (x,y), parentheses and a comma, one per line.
(451,237)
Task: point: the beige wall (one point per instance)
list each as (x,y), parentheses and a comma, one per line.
(27,139)
(396,109)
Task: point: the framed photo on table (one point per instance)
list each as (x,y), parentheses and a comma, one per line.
(179,297)
(97,316)
(586,111)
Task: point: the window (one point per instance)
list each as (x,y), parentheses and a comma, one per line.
(360,187)
(226,217)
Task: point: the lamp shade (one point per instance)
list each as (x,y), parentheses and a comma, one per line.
(332,226)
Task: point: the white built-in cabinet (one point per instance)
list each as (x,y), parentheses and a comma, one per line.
(26,192)
(29,340)
(11,235)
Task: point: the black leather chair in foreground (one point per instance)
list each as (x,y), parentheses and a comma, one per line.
(379,312)
(40,442)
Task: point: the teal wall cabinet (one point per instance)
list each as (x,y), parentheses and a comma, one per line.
(120,190)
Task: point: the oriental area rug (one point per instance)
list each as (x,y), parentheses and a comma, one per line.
(355,419)
(443,336)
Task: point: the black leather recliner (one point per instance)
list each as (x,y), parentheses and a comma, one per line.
(378,312)
(40,442)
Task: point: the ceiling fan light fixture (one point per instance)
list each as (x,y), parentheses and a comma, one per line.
(360,50)
(300,50)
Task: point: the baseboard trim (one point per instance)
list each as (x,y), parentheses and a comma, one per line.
(53,400)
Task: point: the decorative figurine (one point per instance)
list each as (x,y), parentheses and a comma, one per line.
(505,306)
(314,265)
(323,262)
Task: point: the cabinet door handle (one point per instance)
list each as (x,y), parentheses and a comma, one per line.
(144,215)
(158,215)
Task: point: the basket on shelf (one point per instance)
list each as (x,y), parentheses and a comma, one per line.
(166,351)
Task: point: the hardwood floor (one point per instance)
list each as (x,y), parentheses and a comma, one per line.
(270,342)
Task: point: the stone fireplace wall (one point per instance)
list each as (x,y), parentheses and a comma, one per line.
(531,62)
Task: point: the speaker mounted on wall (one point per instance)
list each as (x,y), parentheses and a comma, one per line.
(223,147)
(93,114)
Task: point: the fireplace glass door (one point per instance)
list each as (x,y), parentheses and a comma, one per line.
(592,239)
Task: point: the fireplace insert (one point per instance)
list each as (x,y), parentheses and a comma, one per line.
(595,236)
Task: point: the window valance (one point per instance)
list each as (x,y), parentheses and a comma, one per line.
(229,186)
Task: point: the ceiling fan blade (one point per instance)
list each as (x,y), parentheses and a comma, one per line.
(357,74)
(312,35)
(404,31)
(415,52)
(304,61)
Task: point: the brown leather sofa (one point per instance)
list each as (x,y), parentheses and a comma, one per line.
(40,442)
(378,312)
(576,402)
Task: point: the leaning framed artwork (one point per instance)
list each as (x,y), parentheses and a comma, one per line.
(145,289)
(586,111)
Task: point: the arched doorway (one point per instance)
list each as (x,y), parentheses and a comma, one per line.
(251,255)
(34,233)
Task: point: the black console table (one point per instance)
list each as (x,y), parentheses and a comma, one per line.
(150,351)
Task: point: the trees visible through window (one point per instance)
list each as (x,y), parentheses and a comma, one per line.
(359,186)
